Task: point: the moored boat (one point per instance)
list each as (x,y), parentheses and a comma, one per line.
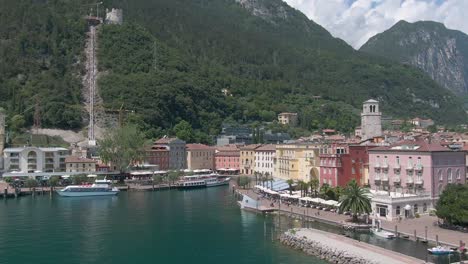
(202,181)
(439,250)
(88,190)
(382,233)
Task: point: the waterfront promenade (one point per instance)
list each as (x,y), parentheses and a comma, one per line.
(406,226)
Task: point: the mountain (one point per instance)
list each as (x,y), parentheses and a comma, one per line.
(440,52)
(203,61)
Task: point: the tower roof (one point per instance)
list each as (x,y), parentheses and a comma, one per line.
(371,101)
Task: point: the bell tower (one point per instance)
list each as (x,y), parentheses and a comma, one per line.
(371,120)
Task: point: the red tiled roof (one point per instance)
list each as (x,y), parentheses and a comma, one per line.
(165,140)
(74,159)
(251,147)
(268,147)
(423,146)
(198,147)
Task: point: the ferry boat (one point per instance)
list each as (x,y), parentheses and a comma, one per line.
(202,181)
(98,189)
(439,250)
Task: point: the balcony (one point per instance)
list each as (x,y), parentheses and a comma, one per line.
(410,167)
(377,165)
(418,167)
(384,165)
(397,166)
(409,180)
(396,179)
(419,181)
(377,177)
(384,178)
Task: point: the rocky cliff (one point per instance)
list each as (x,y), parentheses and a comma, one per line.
(430,46)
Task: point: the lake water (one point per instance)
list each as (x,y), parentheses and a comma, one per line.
(199,226)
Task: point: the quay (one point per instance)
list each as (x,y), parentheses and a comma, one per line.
(417,229)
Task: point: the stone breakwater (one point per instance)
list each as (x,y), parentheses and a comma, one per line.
(341,250)
(317,249)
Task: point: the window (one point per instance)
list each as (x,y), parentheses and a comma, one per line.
(439,174)
(458,174)
(353,171)
(424,208)
(398,160)
(415,208)
(449,175)
(398,210)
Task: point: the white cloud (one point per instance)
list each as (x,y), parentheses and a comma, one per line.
(355,21)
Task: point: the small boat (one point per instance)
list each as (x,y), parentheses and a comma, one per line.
(88,190)
(439,250)
(382,233)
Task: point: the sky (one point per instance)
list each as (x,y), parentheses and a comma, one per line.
(355,21)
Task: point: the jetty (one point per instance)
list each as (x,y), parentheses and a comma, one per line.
(338,249)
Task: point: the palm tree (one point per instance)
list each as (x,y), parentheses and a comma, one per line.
(290,182)
(302,187)
(314,184)
(355,199)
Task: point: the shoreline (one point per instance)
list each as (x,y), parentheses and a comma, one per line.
(341,250)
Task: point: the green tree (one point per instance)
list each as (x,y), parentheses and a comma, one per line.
(302,187)
(53,181)
(243,181)
(17,123)
(122,147)
(290,182)
(355,199)
(183,130)
(432,128)
(79,179)
(452,206)
(174,176)
(31,183)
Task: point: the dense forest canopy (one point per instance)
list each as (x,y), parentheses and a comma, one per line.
(171,60)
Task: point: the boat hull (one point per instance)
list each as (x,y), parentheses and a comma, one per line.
(84,194)
(217,184)
(383,234)
(438,253)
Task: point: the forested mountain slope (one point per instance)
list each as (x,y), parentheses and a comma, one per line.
(172,59)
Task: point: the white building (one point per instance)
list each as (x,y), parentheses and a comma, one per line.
(371,120)
(115,16)
(264,160)
(33,159)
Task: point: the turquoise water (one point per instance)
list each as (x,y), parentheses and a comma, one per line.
(200,226)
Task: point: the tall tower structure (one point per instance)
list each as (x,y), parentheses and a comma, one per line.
(371,120)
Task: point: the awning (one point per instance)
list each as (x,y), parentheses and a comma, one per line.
(92,176)
(407,207)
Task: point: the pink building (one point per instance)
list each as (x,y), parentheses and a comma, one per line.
(408,177)
(332,158)
(227,157)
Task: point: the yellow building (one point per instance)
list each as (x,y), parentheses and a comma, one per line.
(247,159)
(299,161)
(78,164)
(200,156)
(288,119)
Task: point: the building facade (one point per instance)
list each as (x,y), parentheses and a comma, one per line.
(247,159)
(177,152)
(298,161)
(358,167)
(158,155)
(265,160)
(79,164)
(32,159)
(227,157)
(412,171)
(288,119)
(200,156)
(333,159)
(371,120)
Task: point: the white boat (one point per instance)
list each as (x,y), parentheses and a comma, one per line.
(439,250)
(88,190)
(382,233)
(202,181)
(212,182)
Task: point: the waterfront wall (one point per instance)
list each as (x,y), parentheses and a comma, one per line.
(322,251)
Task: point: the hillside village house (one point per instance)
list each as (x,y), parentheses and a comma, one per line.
(298,161)
(33,159)
(200,156)
(158,155)
(408,177)
(79,164)
(288,119)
